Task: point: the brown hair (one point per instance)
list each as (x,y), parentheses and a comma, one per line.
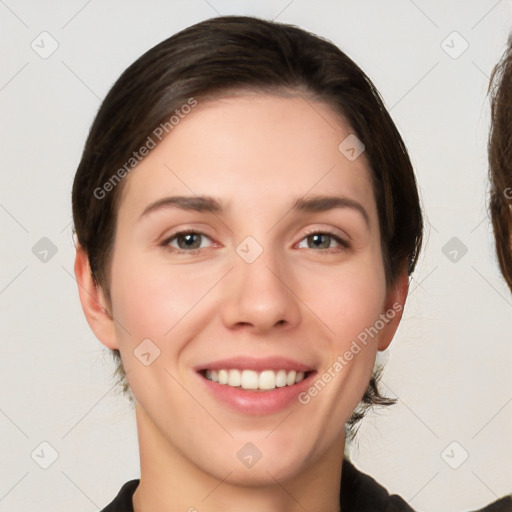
(232,54)
(500,161)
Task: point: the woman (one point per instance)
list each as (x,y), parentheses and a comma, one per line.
(247,220)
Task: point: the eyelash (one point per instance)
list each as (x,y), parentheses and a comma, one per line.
(344,245)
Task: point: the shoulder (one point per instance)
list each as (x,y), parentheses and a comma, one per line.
(502,505)
(362,493)
(123,501)
(359,493)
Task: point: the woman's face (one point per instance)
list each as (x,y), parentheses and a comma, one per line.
(260,279)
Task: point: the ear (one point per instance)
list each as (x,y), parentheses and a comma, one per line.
(93,301)
(393,309)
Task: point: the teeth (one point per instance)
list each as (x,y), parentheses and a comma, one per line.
(234,378)
(249,379)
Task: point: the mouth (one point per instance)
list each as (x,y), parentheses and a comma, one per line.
(256,386)
(251,380)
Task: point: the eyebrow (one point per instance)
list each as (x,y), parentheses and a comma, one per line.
(326,203)
(210,204)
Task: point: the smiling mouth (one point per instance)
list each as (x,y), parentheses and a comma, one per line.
(251,380)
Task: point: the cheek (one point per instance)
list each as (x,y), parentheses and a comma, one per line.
(160,303)
(348,299)
(154,299)
(349,302)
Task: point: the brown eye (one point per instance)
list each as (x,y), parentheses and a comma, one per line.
(320,240)
(185,241)
(189,241)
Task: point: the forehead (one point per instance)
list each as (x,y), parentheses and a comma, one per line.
(252,149)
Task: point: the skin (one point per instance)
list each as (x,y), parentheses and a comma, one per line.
(256,154)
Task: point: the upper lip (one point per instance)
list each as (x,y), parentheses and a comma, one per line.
(256,364)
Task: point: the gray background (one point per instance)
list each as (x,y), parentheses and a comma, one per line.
(450,363)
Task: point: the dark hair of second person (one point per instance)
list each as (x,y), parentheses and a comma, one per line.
(500,161)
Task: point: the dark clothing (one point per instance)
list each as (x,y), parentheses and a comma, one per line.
(359,493)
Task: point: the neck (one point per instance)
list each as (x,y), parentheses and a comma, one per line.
(170,481)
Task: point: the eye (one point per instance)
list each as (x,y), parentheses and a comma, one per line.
(323,240)
(191,241)
(185,241)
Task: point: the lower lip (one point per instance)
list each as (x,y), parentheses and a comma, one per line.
(257,403)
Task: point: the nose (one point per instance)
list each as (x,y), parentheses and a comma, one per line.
(260,295)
